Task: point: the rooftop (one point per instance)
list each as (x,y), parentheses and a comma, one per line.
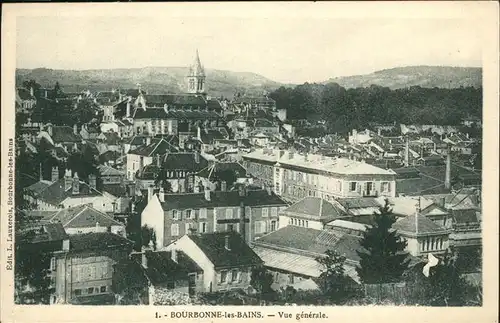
(97,241)
(213,246)
(409,225)
(314,208)
(82,216)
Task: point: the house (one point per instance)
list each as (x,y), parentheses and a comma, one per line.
(67,192)
(265,126)
(423,235)
(61,136)
(212,175)
(159,276)
(358,206)
(143,155)
(84,268)
(309,212)
(208,138)
(295,176)
(25,100)
(110,175)
(249,212)
(290,254)
(259,139)
(225,258)
(178,169)
(83,219)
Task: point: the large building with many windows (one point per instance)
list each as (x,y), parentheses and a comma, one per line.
(252,213)
(294,176)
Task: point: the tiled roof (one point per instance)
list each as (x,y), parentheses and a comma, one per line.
(161,268)
(312,241)
(150,113)
(359,202)
(97,241)
(47,232)
(82,216)
(455,201)
(220,199)
(465,216)
(56,193)
(39,186)
(64,134)
(314,208)
(193,115)
(109,155)
(263,123)
(294,263)
(117,190)
(209,135)
(174,99)
(219,167)
(109,171)
(184,161)
(425,225)
(213,246)
(157,147)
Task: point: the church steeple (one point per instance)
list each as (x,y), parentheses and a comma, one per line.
(196,77)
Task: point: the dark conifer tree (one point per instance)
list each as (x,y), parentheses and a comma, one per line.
(383,259)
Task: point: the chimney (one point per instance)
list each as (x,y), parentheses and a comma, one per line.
(198,135)
(223,186)
(55,174)
(226,243)
(65,245)
(150,192)
(148,140)
(442,202)
(173,255)
(76,184)
(93,181)
(67,179)
(131,190)
(197,157)
(75,129)
(379,131)
(447,181)
(158,160)
(165,107)
(32,91)
(207,194)
(161,195)
(269,190)
(128,108)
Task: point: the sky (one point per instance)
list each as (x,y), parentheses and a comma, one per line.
(284,49)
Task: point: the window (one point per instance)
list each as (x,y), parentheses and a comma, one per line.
(174,230)
(230,227)
(290,278)
(234,275)
(385,187)
(78,292)
(229,213)
(273,225)
(274,211)
(260,226)
(90,290)
(53,264)
(223,276)
(307,224)
(187,227)
(103,289)
(352,186)
(203,227)
(264,212)
(189,213)
(203,213)
(175,215)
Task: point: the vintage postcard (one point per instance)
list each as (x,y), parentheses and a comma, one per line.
(250,161)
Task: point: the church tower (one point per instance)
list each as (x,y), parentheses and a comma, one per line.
(196,77)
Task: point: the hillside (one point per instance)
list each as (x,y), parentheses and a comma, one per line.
(153,79)
(424,76)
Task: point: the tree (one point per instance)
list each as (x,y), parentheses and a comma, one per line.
(133,226)
(332,278)
(446,286)
(148,236)
(261,280)
(383,259)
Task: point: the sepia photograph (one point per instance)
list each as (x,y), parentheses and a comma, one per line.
(214,160)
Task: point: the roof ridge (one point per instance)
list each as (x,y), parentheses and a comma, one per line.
(81,211)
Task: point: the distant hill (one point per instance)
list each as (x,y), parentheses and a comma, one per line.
(152,79)
(424,76)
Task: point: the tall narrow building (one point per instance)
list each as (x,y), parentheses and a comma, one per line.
(196,77)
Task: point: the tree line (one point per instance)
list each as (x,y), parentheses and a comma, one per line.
(344,109)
